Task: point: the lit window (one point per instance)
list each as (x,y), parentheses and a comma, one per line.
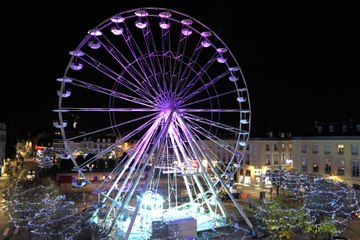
(340,149)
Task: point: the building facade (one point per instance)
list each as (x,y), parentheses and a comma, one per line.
(328,150)
(262,156)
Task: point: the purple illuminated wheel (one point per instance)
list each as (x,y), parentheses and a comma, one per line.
(171,98)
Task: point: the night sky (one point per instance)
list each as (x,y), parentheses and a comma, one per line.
(299,60)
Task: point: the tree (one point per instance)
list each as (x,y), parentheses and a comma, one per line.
(281,219)
(295,185)
(22,199)
(330,205)
(46,158)
(39,207)
(277,177)
(57,219)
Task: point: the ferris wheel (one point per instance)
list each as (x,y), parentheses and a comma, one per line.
(165,85)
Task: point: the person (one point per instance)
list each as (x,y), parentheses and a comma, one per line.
(234,192)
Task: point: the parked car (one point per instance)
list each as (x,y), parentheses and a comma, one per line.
(355,215)
(30,174)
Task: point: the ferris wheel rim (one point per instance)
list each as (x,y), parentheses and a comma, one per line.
(192,121)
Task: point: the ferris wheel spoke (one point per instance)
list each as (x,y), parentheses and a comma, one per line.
(145,65)
(88,109)
(186,85)
(209,98)
(212,137)
(209,110)
(137,88)
(120,124)
(110,92)
(194,92)
(154,61)
(130,66)
(135,131)
(166,60)
(209,122)
(179,54)
(185,80)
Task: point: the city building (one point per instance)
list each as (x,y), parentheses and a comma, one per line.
(328,150)
(264,154)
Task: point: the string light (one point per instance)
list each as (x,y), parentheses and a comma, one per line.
(39,207)
(317,203)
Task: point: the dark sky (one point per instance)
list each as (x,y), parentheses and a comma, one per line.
(299,60)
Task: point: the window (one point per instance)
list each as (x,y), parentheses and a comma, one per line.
(355,169)
(267,146)
(320,129)
(276,147)
(290,146)
(283,159)
(267,159)
(315,166)
(303,148)
(327,148)
(344,128)
(340,149)
(354,149)
(247,173)
(304,165)
(276,159)
(315,148)
(327,166)
(341,168)
(283,147)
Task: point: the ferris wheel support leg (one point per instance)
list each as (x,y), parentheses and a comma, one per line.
(195,146)
(160,140)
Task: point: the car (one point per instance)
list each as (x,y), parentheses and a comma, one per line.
(30,174)
(356,215)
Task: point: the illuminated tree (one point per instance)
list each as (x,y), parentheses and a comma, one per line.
(280,218)
(277,177)
(295,185)
(324,210)
(24,198)
(57,219)
(330,205)
(39,207)
(45,158)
